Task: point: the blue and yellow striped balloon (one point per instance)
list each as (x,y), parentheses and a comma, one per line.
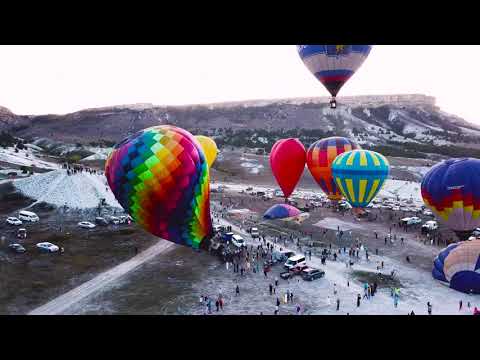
(360,175)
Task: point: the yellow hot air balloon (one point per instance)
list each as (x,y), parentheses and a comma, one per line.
(209,148)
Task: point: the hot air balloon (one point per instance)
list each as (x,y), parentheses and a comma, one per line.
(287,161)
(320,157)
(209,148)
(333,65)
(451,189)
(281,211)
(458,265)
(160,177)
(360,175)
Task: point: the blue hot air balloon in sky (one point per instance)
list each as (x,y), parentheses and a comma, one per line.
(333,65)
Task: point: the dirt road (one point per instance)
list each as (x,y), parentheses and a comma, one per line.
(58,305)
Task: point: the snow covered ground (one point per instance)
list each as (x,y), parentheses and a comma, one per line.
(404,189)
(79,191)
(417,288)
(21,159)
(99,153)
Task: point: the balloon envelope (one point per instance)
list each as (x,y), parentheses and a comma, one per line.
(360,175)
(287,161)
(459,266)
(451,189)
(209,148)
(281,211)
(333,65)
(320,157)
(160,177)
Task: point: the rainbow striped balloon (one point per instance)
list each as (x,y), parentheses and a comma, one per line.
(160,177)
(360,175)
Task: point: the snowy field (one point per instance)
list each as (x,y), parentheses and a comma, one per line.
(403,189)
(317,297)
(9,155)
(79,191)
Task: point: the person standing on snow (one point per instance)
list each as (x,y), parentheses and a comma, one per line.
(358,300)
(237,291)
(460,305)
(338,304)
(429,308)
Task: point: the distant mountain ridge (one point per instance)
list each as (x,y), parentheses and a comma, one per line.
(375,119)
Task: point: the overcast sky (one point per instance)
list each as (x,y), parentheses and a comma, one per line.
(63,79)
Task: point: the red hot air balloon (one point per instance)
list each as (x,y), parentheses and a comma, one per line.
(287,161)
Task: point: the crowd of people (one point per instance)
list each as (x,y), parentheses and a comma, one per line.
(249,260)
(73,169)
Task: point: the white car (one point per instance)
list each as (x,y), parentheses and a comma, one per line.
(48,247)
(411,220)
(28,216)
(86,225)
(414,220)
(396,208)
(427,213)
(238,241)
(430,225)
(14,221)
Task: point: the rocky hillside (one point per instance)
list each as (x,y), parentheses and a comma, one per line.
(402,125)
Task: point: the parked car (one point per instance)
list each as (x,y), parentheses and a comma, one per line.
(254,233)
(28,216)
(282,256)
(310,274)
(294,261)
(238,241)
(415,220)
(101,221)
(427,213)
(249,188)
(217,228)
(344,205)
(86,225)
(17,248)
(476,232)
(47,247)
(411,221)
(396,208)
(14,221)
(430,226)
